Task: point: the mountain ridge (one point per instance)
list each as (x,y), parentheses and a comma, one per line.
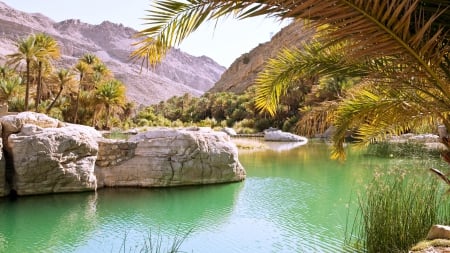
(177,74)
(243,71)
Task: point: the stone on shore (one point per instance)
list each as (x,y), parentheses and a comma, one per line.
(51,160)
(439,232)
(278,135)
(173,157)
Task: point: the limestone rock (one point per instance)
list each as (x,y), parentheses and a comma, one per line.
(439,232)
(244,70)
(171,157)
(13,123)
(4,187)
(49,160)
(278,135)
(229,131)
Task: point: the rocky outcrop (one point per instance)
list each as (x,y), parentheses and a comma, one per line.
(278,135)
(172,157)
(4,187)
(48,156)
(44,155)
(179,73)
(242,73)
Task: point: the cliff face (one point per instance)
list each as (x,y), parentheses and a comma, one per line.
(242,73)
(179,72)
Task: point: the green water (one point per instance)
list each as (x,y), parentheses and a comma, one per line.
(291,201)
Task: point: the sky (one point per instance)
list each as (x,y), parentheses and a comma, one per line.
(223,42)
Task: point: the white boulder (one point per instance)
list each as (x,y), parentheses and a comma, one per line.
(172,157)
(278,135)
(49,160)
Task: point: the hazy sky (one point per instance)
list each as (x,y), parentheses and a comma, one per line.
(230,39)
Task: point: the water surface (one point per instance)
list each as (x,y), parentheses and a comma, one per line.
(291,201)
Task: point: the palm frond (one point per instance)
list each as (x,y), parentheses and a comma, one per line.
(377,113)
(397,27)
(170,22)
(293,64)
(316,120)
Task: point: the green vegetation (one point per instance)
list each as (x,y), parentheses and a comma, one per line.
(397,210)
(222,109)
(402,150)
(156,244)
(85,94)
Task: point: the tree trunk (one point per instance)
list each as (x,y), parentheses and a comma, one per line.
(39,86)
(77,103)
(56,98)
(27,89)
(108,112)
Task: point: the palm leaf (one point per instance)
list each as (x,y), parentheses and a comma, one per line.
(293,64)
(376,112)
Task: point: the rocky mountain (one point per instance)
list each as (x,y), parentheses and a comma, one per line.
(179,73)
(242,73)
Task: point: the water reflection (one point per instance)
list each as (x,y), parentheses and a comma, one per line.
(47,223)
(292,201)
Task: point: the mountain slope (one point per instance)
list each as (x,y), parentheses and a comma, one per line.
(242,73)
(179,72)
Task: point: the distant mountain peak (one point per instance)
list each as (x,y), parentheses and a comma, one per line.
(179,72)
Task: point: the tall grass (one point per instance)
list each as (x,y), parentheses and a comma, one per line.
(155,243)
(402,150)
(397,211)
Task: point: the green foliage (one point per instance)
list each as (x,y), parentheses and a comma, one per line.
(397,210)
(402,150)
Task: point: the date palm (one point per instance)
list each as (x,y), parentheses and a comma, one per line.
(85,68)
(27,52)
(64,77)
(400,47)
(47,50)
(110,96)
(10,87)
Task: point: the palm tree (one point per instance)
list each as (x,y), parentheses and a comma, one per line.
(48,49)
(101,72)
(82,68)
(64,77)
(85,67)
(10,87)
(27,51)
(405,41)
(110,96)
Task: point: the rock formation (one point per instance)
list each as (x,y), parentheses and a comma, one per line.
(172,157)
(44,155)
(242,73)
(4,187)
(179,73)
(48,156)
(278,135)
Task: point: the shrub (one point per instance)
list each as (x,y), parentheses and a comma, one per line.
(397,211)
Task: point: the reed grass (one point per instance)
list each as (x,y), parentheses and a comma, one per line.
(402,150)
(155,243)
(397,211)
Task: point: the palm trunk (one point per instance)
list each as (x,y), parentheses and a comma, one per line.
(108,112)
(77,103)
(56,99)
(27,89)
(39,86)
